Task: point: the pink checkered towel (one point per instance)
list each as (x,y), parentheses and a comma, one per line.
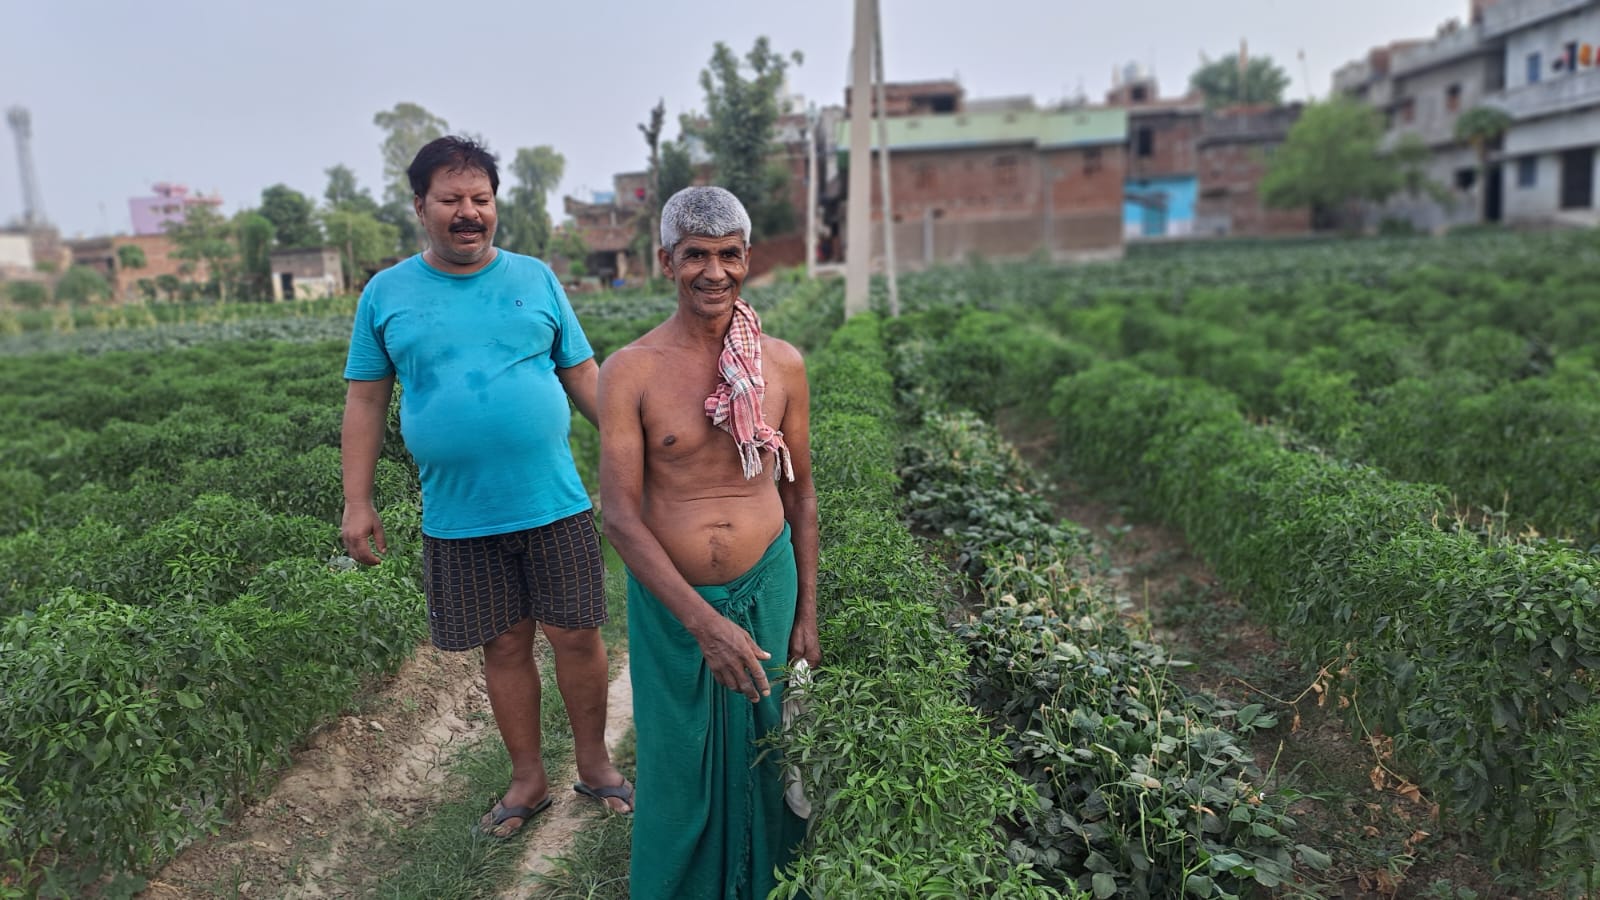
(735,406)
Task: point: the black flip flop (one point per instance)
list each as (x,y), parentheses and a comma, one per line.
(500,813)
(623,792)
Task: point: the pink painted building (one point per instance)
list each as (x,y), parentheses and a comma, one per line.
(151,214)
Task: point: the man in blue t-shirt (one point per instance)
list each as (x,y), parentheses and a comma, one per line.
(488,351)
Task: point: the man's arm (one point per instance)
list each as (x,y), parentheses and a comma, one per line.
(730,651)
(581,383)
(366,413)
(799,500)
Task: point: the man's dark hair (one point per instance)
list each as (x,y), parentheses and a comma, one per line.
(453,154)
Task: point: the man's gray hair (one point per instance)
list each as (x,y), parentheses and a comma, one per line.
(702,212)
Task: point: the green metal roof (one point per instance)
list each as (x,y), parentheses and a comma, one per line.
(1046,128)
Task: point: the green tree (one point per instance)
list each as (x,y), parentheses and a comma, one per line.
(204,237)
(255,232)
(1332,162)
(406,129)
(290,213)
(1222,84)
(81,284)
(343,192)
(649,222)
(524,219)
(742,107)
(131,256)
(363,241)
(169,284)
(27,294)
(1481,127)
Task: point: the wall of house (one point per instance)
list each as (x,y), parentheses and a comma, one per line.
(1427,95)
(1159,207)
(1546,140)
(1230,199)
(1171,142)
(1548,39)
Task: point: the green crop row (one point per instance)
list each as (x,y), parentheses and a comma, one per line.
(1478,658)
(1145,789)
(909,788)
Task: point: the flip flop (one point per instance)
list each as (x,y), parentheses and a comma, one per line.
(623,792)
(501,813)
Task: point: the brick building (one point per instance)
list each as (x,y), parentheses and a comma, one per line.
(307,274)
(1163,175)
(1003,185)
(101,255)
(1233,151)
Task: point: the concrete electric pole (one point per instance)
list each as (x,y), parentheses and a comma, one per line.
(858,212)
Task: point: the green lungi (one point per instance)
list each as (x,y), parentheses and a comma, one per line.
(710,822)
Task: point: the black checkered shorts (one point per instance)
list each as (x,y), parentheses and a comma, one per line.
(478,588)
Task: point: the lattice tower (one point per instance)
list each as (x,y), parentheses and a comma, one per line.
(22,127)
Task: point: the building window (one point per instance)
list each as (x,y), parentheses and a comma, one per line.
(1535,67)
(1139,93)
(1452,98)
(924,176)
(1408,110)
(1091,161)
(1466,178)
(1527,171)
(1145,142)
(1577,179)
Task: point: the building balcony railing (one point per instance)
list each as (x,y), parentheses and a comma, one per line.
(1545,98)
(1442,49)
(1507,16)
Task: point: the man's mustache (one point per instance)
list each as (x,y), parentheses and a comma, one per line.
(458,227)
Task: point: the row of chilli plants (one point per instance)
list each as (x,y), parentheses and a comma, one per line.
(1474,651)
(911,791)
(1471,364)
(173,613)
(1146,790)
(1476,654)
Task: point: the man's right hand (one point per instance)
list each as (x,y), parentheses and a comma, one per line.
(735,658)
(362,531)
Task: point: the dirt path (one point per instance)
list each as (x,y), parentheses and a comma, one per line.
(358,776)
(568,813)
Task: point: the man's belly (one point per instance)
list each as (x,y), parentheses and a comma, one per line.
(714,540)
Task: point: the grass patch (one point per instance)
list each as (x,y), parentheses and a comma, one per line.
(444,856)
(597,867)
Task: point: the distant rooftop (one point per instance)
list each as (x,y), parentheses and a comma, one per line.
(1044,128)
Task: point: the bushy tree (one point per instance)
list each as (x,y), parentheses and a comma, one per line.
(255,232)
(363,241)
(131,256)
(406,129)
(1222,84)
(742,107)
(204,237)
(524,218)
(290,213)
(1332,161)
(345,193)
(81,284)
(27,294)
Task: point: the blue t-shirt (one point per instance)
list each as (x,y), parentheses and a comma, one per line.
(481,408)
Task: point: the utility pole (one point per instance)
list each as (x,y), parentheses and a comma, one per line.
(811,191)
(858,252)
(883,167)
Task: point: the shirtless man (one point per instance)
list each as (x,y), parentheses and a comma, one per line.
(706,492)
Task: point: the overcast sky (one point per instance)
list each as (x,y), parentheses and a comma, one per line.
(230,96)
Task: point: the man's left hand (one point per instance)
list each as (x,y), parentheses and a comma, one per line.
(803,644)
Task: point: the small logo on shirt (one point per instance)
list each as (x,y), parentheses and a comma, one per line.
(519,302)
